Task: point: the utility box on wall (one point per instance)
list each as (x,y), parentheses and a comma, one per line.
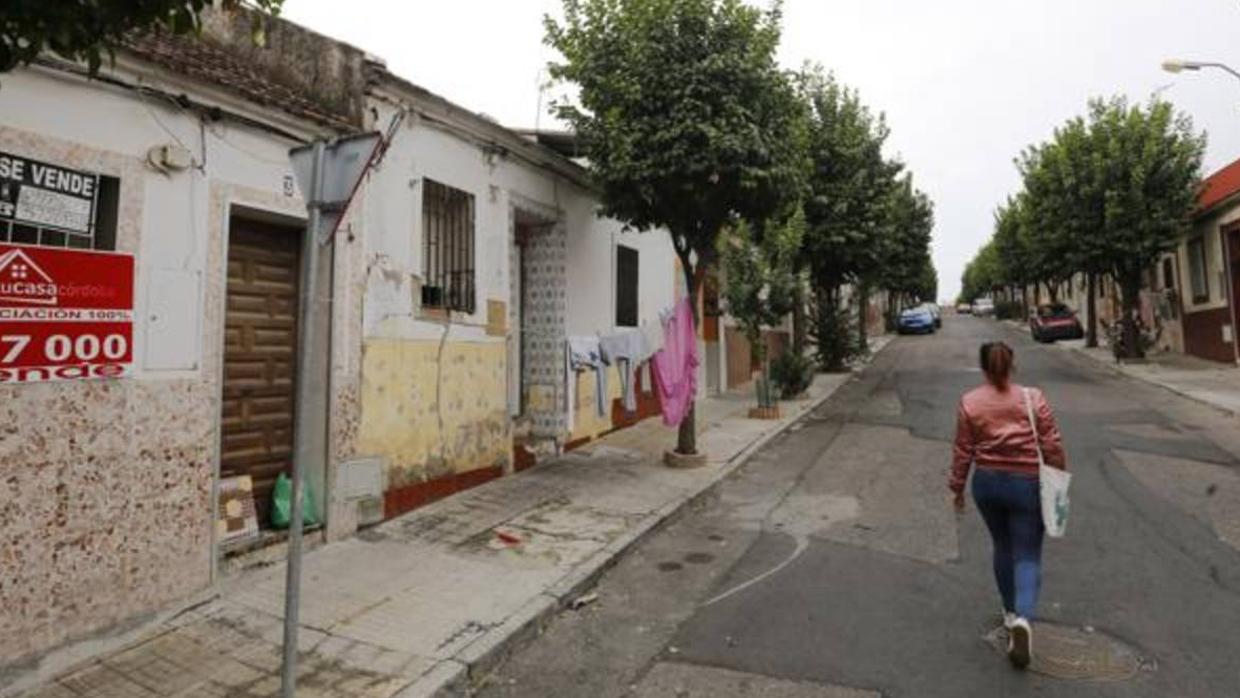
(357,497)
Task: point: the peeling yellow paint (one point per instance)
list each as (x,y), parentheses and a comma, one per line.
(405,397)
(586,421)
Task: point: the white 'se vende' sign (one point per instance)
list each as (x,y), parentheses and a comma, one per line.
(49,196)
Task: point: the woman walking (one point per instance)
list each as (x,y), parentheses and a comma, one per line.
(995,434)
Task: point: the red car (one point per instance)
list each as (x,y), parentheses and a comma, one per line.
(1054,321)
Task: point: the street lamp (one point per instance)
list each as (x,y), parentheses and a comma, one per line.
(1176,65)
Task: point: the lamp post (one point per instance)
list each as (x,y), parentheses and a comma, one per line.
(1176,65)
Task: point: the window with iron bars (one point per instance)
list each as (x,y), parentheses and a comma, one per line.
(100,236)
(447,248)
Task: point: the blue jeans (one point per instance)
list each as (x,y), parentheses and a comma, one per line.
(1012,508)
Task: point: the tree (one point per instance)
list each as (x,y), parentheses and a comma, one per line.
(1012,248)
(86,30)
(685,118)
(848,206)
(761,283)
(904,270)
(982,275)
(1118,186)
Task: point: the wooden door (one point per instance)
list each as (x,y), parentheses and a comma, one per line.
(260,356)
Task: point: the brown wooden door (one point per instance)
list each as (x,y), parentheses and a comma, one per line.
(260,356)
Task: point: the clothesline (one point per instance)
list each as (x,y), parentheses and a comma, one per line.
(673,372)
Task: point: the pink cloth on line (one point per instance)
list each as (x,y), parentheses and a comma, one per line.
(676,364)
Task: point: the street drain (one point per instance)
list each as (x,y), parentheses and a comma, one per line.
(1073,654)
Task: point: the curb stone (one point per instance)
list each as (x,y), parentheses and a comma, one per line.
(447,678)
(1118,369)
(456,677)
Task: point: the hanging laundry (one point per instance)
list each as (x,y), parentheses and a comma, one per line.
(626,350)
(584,353)
(676,365)
(653,332)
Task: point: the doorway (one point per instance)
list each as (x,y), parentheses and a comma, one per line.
(260,355)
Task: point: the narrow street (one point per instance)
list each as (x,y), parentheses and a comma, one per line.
(832,564)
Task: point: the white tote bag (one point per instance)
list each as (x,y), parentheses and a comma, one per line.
(1052,484)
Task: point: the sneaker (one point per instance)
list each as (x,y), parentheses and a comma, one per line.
(1009,619)
(1020,643)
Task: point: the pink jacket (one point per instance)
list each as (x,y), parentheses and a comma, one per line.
(992,431)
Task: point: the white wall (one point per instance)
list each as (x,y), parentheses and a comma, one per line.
(592,257)
(171,252)
(499,184)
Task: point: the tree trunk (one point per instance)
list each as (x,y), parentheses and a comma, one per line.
(1024,300)
(686,436)
(1131,288)
(798,319)
(1091,304)
(863,318)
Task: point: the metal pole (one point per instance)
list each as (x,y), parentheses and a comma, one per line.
(302,449)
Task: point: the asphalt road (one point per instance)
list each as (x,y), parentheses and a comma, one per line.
(832,565)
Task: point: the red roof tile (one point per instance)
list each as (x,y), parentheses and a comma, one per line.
(1219,186)
(201,59)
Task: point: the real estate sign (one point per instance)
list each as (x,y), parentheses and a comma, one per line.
(64,314)
(36,193)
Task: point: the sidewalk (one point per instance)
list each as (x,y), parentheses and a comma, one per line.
(1214,384)
(427,603)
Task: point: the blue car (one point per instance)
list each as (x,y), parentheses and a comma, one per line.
(916,321)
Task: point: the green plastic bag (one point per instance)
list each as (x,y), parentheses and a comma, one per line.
(282,504)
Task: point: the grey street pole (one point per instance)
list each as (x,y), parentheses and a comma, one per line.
(308,384)
(1179,65)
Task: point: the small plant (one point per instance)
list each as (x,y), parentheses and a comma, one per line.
(834,332)
(792,373)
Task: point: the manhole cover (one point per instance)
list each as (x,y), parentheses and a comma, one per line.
(1075,654)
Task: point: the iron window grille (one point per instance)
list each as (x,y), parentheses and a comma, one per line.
(447,248)
(100,236)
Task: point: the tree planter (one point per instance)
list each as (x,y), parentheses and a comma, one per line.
(770,412)
(683,461)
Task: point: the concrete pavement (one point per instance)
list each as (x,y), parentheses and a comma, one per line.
(428,603)
(830,564)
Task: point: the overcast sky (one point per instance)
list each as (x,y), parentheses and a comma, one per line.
(965,84)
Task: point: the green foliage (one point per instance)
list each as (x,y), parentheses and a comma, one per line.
(848,209)
(792,372)
(88,30)
(836,343)
(1108,194)
(685,117)
(760,278)
(908,271)
(982,275)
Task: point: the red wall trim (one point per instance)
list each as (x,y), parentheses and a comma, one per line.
(1203,334)
(402,500)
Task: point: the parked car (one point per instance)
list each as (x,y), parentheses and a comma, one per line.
(915,321)
(935,313)
(983,307)
(963,309)
(1052,321)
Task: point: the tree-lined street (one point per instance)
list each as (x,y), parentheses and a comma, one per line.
(833,562)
